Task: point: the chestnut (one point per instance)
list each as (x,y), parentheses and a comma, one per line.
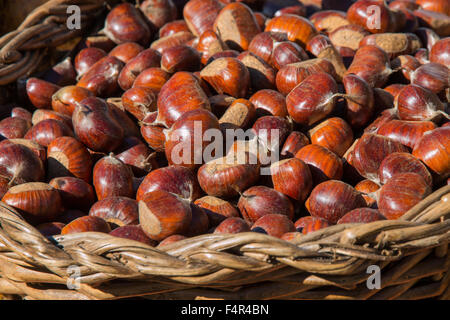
(371,63)
(360,99)
(96,125)
(153,78)
(201,14)
(66,156)
(111,177)
(139,101)
(334,134)
(309,224)
(384,117)
(329,20)
(145,59)
(217,209)
(407,133)
(417,103)
(299,10)
(274,225)
(367,188)
(209,43)
(182,93)
(14,128)
(236,25)
(239,114)
(75,193)
(153,134)
(322,163)
(359,13)
(20,164)
(259,201)
(227,76)
(394,89)
(264,43)
(331,200)
(62,73)
(232,225)
(407,64)
(182,144)
(39,202)
(64,100)
(292,177)
(86,58)
(125,23)
(322,47)
(48,130)
(227,177)
(401,193)
(289,76)
(171,239)
(40,92)
(271,132)
(370,151)
(162,214)
(173,27)
(441,6)
(422,55)
(298,29)
(394,44)
(180,58)
(159,12)
(220,103)
(312,100)
(223,54)
(347,36)
(39,150)
(400,162)
(86,224)
(437,21)
(294,142)
(102,77)
(432,76)
(137,156)
(44,114)
(118,211)
(361,215)
(18,112)
(126,51)
(174,179)
(269,102)
(173,40)
(262,75)
(439,52)
(133,232)
(434,150)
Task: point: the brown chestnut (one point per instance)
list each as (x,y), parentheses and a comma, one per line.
(111,177)
(401,193)
(331,200)
(162,214)
(259,201)
(174,179)
(86,224)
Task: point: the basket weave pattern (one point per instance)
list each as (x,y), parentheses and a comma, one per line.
(331,263)
(23,49)
(327,264)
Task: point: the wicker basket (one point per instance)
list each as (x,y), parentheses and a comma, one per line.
(331,263)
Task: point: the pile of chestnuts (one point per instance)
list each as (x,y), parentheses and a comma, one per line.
(358,97)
